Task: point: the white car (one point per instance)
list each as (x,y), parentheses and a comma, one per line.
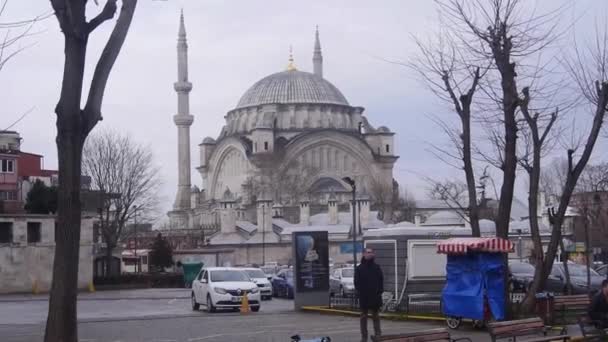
(341,282)
(259,277)
(224,288)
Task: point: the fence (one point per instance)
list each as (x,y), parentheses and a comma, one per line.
(414,303)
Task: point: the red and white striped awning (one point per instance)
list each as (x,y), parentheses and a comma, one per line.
(464,245)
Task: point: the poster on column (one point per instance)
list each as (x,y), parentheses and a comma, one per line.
(312,261)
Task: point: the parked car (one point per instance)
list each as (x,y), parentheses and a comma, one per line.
(259,277)
(224,288)
(341,282)
(603,271)
(522,274)
(578,277)
(269,271)
(282,284)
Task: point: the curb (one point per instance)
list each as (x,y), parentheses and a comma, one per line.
(45,299)
(390,316)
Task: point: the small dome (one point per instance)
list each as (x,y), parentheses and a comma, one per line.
(444,218)
(384,129)
(291,87)
(209,141)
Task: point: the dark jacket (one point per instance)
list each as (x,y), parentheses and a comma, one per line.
(598,310)
(369,283)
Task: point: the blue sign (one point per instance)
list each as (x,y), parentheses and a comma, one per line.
(347,247)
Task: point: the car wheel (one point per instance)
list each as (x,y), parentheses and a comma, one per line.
(453,322)
(195,305)
(255,308)
(210,307)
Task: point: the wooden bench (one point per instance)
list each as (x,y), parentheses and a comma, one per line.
(523,327)
(431,335)
(590,331)
(567,309)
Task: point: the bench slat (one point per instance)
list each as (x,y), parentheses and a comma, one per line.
(440,334)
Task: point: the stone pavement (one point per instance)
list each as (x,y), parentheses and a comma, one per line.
(225,327)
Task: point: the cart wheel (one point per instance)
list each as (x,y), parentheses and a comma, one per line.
(453,322)
(478,324)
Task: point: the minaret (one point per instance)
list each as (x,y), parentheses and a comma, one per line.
(183,120)
(317,57)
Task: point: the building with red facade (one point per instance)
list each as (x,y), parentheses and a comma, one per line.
(18,172)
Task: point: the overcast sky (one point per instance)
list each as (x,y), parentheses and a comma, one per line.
(232,44)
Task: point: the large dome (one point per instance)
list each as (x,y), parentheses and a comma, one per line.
(292,86)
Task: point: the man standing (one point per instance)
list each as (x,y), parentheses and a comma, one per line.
(598,311)
(369,284)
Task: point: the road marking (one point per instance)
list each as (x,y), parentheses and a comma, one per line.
(171,302)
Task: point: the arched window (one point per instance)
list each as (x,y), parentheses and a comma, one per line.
(265,145)
(387,148)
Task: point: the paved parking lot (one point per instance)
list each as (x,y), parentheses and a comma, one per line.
(166,316)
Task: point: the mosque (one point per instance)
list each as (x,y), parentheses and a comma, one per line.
(282,161)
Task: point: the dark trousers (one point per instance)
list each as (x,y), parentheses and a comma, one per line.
(375,319)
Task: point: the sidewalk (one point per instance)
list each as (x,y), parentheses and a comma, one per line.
(173,293)
(573,330)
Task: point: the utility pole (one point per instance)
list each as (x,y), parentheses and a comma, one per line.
(352,184)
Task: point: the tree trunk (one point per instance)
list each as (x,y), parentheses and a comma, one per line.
(470,176)
(538,284)
(61,321)
(109,259)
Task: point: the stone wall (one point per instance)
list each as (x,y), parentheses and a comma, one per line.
(24,266)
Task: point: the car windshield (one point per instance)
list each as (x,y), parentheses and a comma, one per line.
(521,267)
(576,270)
(347,273)
(228,275)
(269,270)
(255,274)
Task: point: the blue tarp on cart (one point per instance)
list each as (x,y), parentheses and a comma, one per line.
(469,276)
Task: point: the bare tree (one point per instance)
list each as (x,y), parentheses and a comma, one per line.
(442,66)
(73,126)
(404,206)
(589,70)
(125,174)
(500,34)
(12,34)
(286,184)
(454,194)
(535,138)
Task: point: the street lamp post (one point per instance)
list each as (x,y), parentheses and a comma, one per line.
(352,184)
(135,233)
(263,234)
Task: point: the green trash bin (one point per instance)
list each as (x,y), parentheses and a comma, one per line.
(190,272)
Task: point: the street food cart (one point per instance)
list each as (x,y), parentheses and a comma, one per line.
(475,281)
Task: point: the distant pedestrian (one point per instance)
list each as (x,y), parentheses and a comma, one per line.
(598,310)
(369,283)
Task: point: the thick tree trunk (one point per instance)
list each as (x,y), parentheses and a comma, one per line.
(470,175)
(61,321)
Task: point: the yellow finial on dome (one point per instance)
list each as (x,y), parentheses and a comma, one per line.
(291,66)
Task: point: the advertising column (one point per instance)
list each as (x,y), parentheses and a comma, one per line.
(311,269)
